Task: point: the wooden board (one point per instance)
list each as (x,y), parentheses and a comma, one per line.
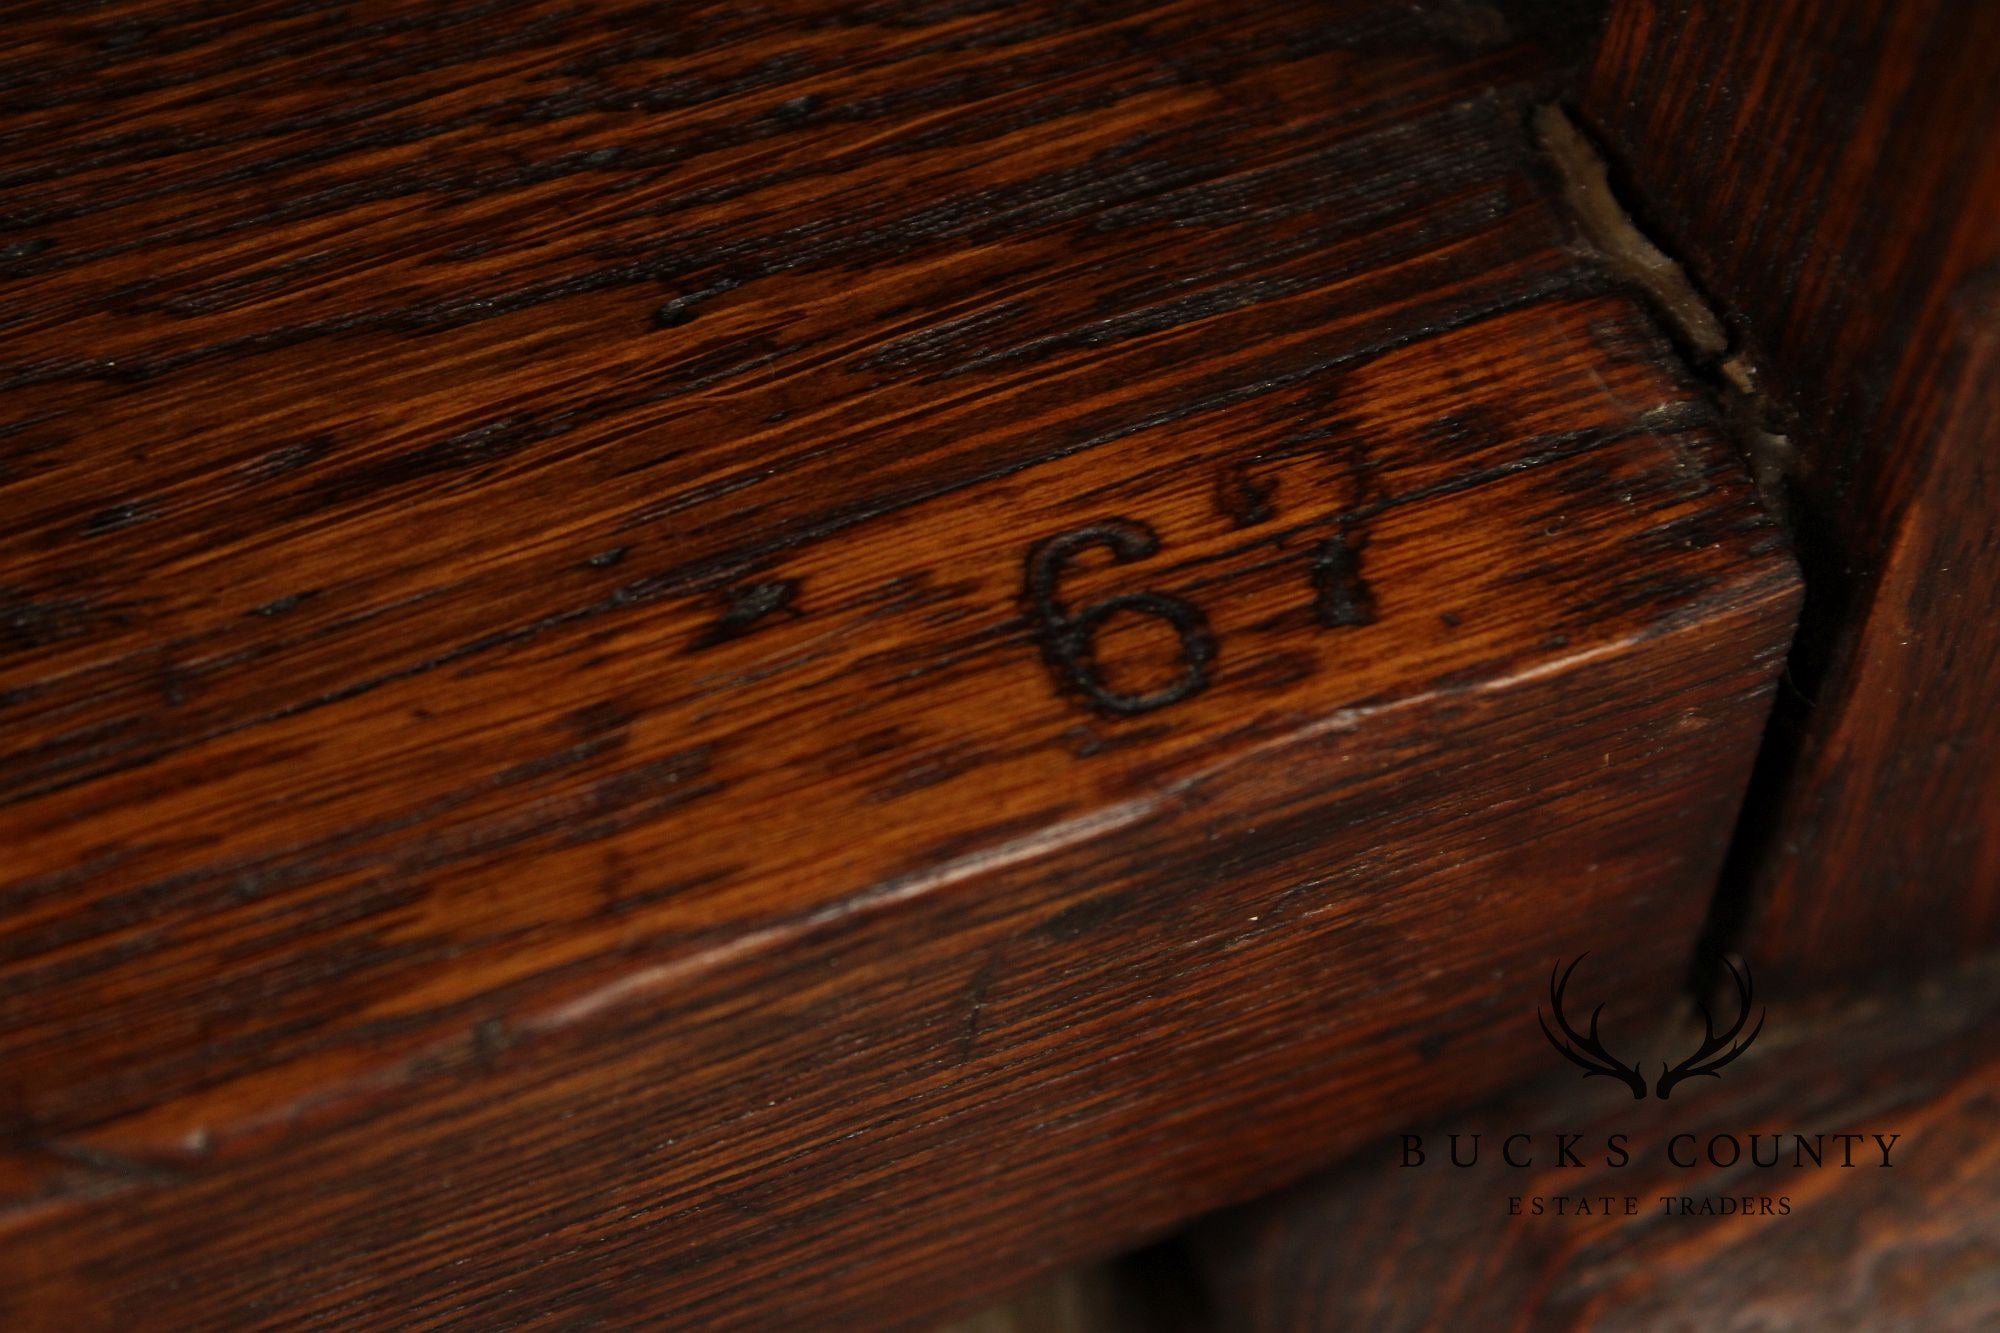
(769,666)
(1849,224)
(1912,1246)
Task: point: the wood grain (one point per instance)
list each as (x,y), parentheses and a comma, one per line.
(539,785)
(1915,1246)
(1849,224)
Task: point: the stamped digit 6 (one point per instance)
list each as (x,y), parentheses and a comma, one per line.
(1068,638)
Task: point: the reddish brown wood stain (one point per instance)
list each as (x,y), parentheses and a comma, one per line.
(1849,223)
(531,789)
(1912,1246)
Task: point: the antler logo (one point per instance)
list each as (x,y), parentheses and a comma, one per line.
(1716,1051)
(1587,1052)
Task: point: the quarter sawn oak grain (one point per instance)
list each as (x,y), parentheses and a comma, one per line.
(538,785)
(1849,223)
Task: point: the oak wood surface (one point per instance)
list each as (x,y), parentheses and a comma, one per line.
(1848,222)
(1912,1246)
(538,784)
